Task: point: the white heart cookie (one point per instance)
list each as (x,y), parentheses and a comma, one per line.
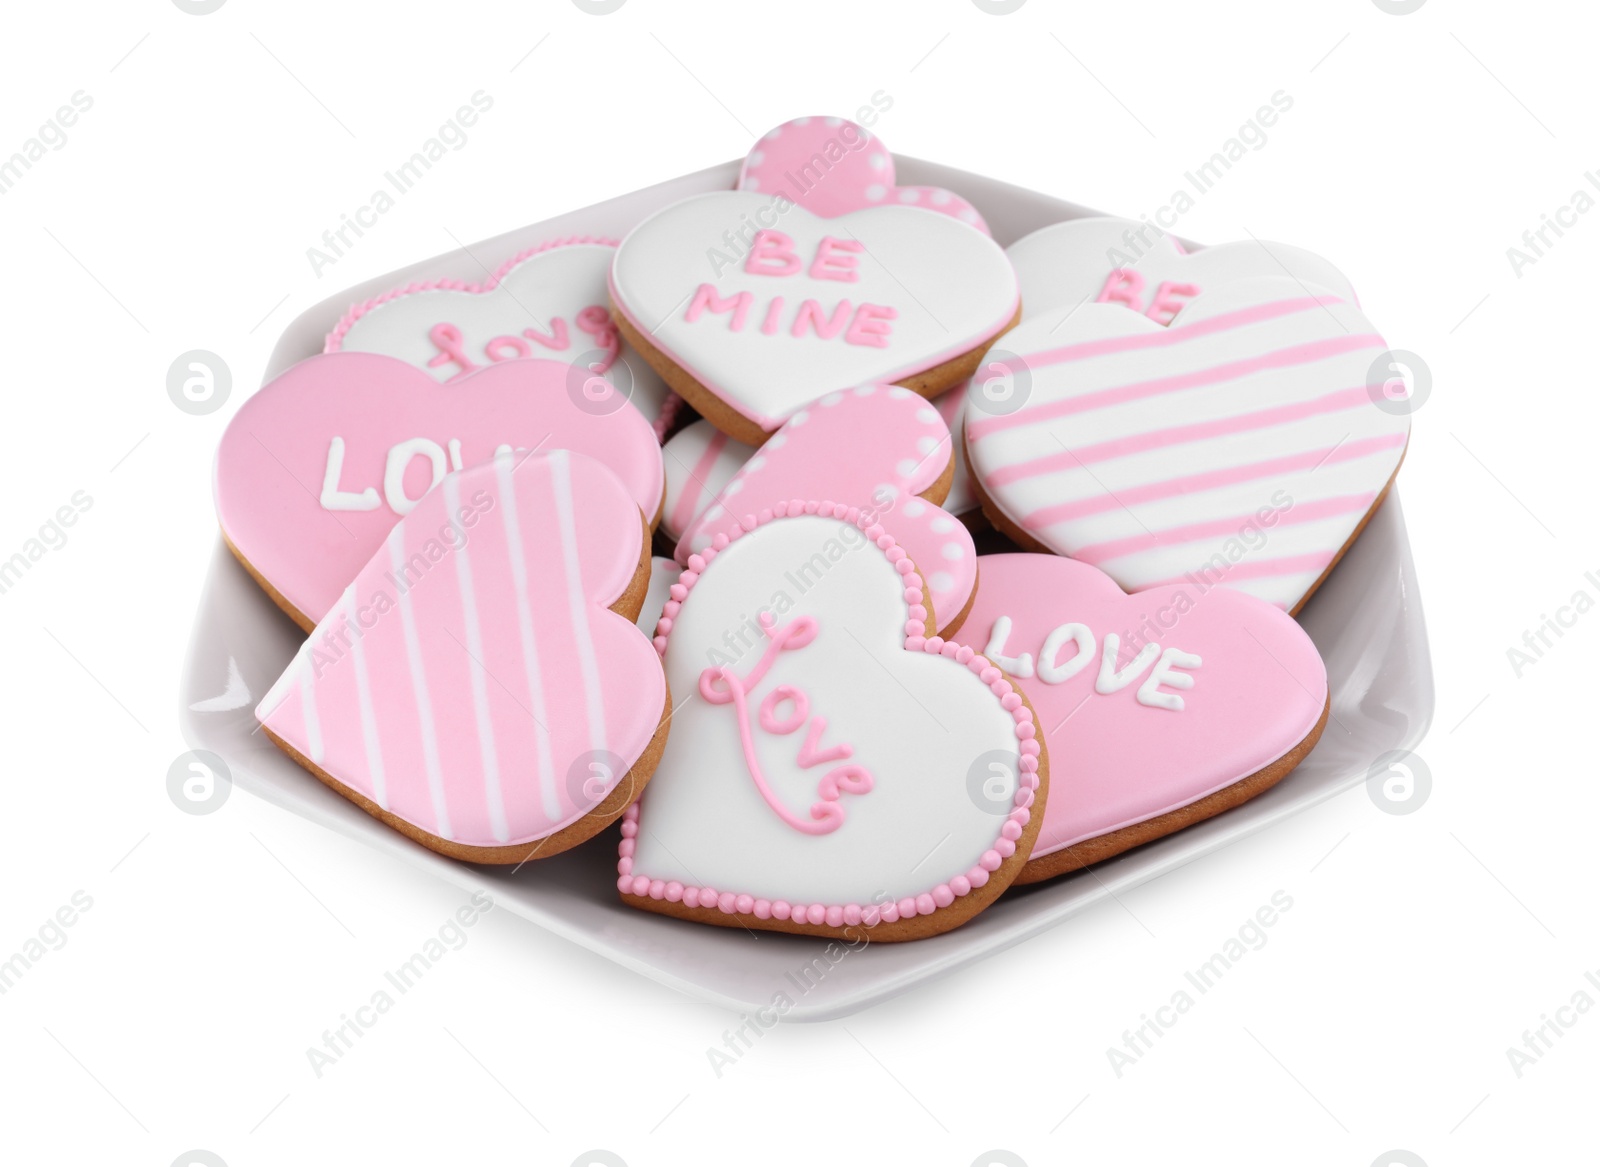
(548,302)
(762,306)
(1242,446)
(835,769)
(1123,261)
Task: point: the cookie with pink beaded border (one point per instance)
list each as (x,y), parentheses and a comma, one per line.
(547,302)
(838,770)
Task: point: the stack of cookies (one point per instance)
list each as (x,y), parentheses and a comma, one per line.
(683,530)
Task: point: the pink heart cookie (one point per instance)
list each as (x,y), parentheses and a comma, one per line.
(880,448)
(548,302)
(752,307)
(318,466)
(1173,704)
(1244,445)
(480,685)
(829,166)
(839,772)
(1137,265)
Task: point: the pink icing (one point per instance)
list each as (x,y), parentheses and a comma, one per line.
(470,680)
(722,686)
(835,915)
(831,166)
(336,420)
(850,445)
(1258,690)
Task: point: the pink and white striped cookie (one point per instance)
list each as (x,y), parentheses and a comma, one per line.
(317,467)
(883,450)
(1243,446)
(841,772)
(830,166)
(700,460)
(548,302)
(480,685)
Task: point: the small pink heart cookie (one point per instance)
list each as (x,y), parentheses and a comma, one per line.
(1246,444)
(1173,704)
(318,466)
(548,302)
(882,449)
(840,772)
(480,685)
(830,166)
(751,306)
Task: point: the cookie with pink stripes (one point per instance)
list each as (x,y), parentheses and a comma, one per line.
(1135,264)
(700,460)
(323,460)
(830,166)
(842,771)
(880,448)
(480,685)
(1174,704)
(750,306)
(547,302)
(1245,445)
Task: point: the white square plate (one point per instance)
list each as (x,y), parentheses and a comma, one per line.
(1366,620)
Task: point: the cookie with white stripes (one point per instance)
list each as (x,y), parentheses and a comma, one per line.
(480,686)
(1243,445)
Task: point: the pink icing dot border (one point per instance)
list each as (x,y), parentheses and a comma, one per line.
(838,915)
(334,342)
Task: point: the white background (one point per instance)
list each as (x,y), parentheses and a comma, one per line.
(218,948)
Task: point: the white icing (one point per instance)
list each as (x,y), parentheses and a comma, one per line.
(394,471)
(556,283)
(1054,671)
(1163,674)
(335,499)
(1066,264)
(1111,679)
(1020,665)
(1366,443)
(918,722)
(951,288)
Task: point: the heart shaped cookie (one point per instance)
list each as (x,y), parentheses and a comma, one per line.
(1173,704)
(480,685)
(700,460)
(548,302)
(882,449)
(1244,446)
(831,166)
(316,468)
(835,771)
(752,307)
(1137,265)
